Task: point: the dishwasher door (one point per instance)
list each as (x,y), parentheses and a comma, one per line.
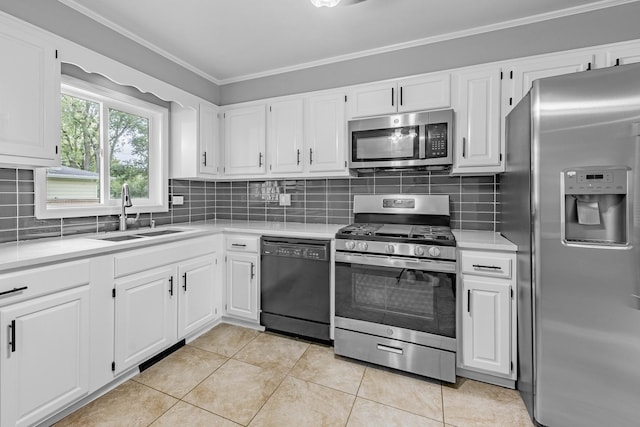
(295,286)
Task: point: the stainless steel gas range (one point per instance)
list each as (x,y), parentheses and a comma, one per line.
(395,285)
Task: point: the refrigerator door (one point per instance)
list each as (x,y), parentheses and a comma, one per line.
(586,322)
(515,191)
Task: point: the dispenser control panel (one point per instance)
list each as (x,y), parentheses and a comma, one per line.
(595,181)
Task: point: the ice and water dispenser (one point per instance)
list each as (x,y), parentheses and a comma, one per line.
(595,205)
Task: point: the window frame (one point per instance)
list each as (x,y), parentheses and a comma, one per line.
(158,117)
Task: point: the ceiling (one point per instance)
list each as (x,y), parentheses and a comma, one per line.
(233,40)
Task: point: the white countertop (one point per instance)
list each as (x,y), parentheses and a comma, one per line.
(483,240)
(31,253)
(17,255)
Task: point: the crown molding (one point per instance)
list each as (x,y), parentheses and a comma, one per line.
(603,4)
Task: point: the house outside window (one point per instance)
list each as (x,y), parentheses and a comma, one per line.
(107,139)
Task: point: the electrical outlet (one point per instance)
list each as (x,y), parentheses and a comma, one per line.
(177,200)
(285,200)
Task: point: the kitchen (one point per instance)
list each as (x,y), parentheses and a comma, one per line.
(216,177)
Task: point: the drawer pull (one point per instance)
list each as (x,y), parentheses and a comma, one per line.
(390,349)
(239,245)
(14,290)
(486,267)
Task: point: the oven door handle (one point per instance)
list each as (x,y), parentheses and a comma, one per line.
(387,261)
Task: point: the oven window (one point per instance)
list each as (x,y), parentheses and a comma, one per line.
(412,299)
(386,144)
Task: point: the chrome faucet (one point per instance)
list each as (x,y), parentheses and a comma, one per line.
(126,203)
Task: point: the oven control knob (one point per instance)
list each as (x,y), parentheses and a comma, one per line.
(433,251)
(362,246)
(351,245)
(389,249)
(419,251)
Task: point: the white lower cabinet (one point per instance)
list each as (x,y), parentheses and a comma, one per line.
(488,314)
(242,266)
(486,325)
(44,356)
(145,316)
(165,302)
(197,301)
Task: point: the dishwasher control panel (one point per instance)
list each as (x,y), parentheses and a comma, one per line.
(295,250)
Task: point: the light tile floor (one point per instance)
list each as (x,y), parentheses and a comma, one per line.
(232,376)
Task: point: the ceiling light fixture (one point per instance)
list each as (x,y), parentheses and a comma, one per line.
(327,3)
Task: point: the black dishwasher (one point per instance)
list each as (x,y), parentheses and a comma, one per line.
(295,286)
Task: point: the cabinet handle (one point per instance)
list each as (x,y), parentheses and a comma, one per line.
(14,290)
(239,245)
(298,157)
(184,286)
(393,97)
(171,285)
(260,159)
(253,274)
(486,267)
(12,336)
(204,155)
(464,147)
(401,103)
(468,300)
(310,156)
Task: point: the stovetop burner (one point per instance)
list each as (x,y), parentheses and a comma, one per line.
(398,232)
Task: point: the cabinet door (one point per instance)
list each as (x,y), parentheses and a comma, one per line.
(623,54)
(522,74)
(425,93)
(486,325)
(208,136)
(373,100)
(197,304)
(46,364)
(30,98)
(242,286)
(325,133)
(145,316)
(478,144)
(245,141)
(284,136)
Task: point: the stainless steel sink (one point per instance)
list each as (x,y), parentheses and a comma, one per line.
(121,238)
(159,233)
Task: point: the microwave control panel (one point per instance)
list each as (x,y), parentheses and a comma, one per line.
(437,140)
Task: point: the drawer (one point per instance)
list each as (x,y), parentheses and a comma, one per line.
(487,264)
(414,358)
(243,243)
(27,284)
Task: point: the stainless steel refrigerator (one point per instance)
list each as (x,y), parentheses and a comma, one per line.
(570,201)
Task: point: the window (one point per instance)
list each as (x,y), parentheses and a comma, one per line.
(107,139)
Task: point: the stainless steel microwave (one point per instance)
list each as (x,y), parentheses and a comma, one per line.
(402,140)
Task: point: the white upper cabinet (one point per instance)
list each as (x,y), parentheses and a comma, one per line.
(285,136)
(627,53)
(245,141)
(428,92)
(478,145)
(194,141)
(325,133)
(29,97)
(208,138)
(521,74)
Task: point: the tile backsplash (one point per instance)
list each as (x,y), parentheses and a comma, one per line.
(474,202)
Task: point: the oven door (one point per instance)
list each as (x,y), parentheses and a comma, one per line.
(412,294)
